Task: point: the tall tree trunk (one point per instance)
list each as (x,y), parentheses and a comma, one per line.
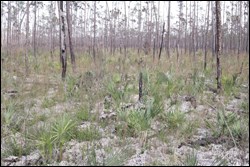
(63,41)
(51,31)
(239,29)
(9,28)
(139,29)
(94,43)
(247,46)
(205,57)
(218,44)
(125,30)
(27,39)
(161,41)
(214,31)
(186,31)
(60,32)
(168,45)
(72,54)
(193,35)
(34,30)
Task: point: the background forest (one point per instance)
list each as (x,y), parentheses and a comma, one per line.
(124,83)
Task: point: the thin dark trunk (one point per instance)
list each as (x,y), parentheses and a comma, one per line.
(161,41)
(140,87)
(218,44)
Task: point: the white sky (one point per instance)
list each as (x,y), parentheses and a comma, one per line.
(163,10)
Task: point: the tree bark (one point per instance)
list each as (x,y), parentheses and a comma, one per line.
(94,43)
(34,30)
(161,41)
(72,54)
(168,45)
(205,55)
(63,41)
(27,39)
(218,44)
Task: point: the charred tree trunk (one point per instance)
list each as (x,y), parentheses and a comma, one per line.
(161,41)
(140,87)
(218,44)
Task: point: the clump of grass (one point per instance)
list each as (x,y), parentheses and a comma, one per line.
(228,84)
(189,128)
(175,119)
(83,114)
(228,124)
(138,121)
(13,148)
(89,134)
(119,157)
(191,159)
(47,102)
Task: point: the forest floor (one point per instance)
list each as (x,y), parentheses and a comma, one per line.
(94,116)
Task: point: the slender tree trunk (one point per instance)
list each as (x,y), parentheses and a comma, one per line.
(9,28)
(218,48)
(205,57)
(168,45)
(34,31)
(94,43)
(125,30)
(63,41)
(140,87)
(72,54)
(51,31)
(139,29)
(186,31)
(193,35)
(247,46)
(161,41)
(27,39)
(239,30)
(60,32)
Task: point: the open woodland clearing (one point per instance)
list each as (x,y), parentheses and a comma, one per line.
(94,87)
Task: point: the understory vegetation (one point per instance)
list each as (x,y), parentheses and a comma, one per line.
(40,112)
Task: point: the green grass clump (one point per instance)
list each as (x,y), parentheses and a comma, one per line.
(89,134)
(13,148)
(175,119)
(47,102)
(191,159)
(83,114)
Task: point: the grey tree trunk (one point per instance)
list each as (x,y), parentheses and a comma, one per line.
(9,28)
(94,43)
(193,34)
(72,54)
(205,57)
(34,30)
(27,39)
(186,31)
(63,41)
(218,44)
(239,29)
(168,45)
